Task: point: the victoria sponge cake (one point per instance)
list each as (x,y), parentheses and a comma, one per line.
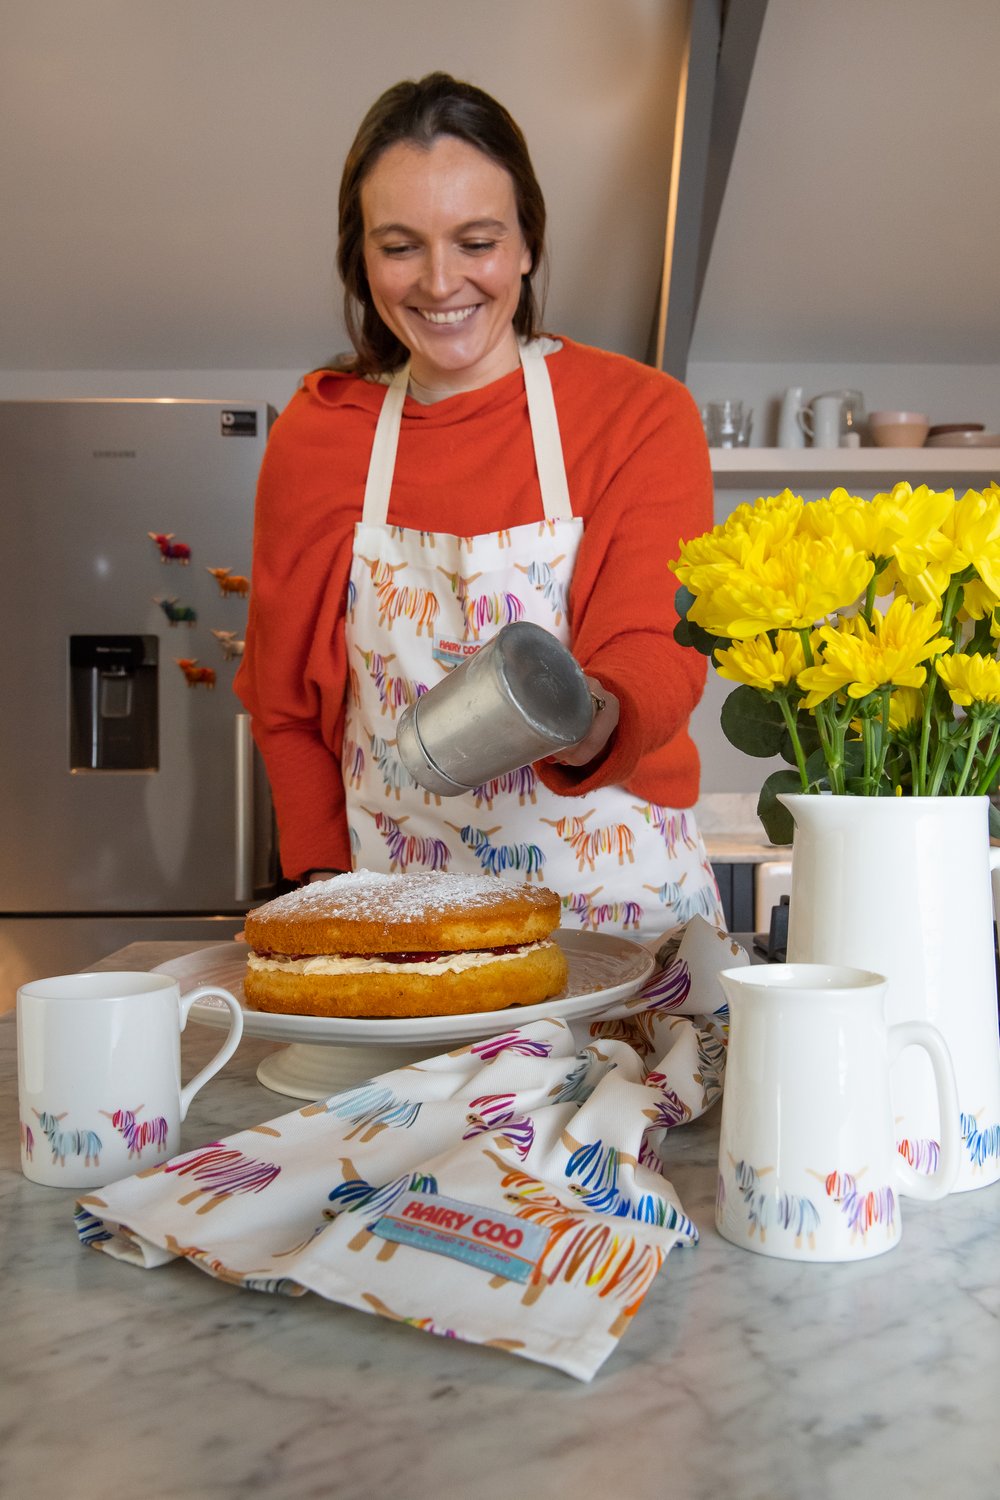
(426,944)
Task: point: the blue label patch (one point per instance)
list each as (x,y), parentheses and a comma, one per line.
(451,652)
(486,1238)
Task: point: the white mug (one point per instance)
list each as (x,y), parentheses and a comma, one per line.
(821,420)
(808,1165)
(99,1073)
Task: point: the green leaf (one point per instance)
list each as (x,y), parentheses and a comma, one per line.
(994,821)
(687,633)
(777,820)
(753,723)
(683,600)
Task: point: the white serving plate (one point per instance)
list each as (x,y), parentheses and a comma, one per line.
(603,971)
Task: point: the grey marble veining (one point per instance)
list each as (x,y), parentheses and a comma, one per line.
(741,1377)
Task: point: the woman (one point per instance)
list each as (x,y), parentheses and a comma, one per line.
(461,471)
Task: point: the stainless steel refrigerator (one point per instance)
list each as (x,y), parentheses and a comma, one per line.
(132,801)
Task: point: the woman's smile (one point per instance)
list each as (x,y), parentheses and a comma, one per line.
(444,256)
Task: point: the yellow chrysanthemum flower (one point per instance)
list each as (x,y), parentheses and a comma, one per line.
(973,534)
(860,659)
(970,679)
(759,663)
(909,531)
(806,581)
(757,530)
(906,709)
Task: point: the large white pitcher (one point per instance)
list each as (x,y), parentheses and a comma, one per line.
(901,885)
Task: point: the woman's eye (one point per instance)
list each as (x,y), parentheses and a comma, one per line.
(396,250)
(479,247)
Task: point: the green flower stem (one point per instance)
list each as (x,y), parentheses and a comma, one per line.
(992,763)
(828,742)
(807,650)
(791,724)
(869,749)
(869,605)
(975,721)
(920,778)
(885,693)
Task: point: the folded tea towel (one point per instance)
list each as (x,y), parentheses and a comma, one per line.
(509,1192)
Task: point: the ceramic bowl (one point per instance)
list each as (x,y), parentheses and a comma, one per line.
(898,429)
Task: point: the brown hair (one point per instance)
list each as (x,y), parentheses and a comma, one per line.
(417,113)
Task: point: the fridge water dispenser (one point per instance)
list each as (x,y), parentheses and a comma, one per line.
(113,703)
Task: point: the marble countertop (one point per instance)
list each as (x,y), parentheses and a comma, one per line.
(742,1377)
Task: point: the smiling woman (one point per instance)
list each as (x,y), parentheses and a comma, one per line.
(463,471)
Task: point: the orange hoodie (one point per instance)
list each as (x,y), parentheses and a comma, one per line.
(640,479)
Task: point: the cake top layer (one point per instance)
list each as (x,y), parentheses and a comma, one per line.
(367,911)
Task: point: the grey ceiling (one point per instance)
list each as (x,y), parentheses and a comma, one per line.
(860,220)
(168,173)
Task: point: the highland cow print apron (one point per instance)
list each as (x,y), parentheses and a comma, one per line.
(418,603)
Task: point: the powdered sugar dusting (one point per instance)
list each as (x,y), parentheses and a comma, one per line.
(371,896)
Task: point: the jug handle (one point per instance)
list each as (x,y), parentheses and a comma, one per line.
(932,1184)
(804,418)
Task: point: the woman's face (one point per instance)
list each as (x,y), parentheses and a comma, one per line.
(444,254)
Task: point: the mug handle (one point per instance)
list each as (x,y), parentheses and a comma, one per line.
(804,417)
(228,1047)
(940,1182)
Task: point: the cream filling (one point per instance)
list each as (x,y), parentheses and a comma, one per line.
(336,963)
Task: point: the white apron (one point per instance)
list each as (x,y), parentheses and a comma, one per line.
(418,603)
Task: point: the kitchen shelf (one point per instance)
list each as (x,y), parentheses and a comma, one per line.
(810,468)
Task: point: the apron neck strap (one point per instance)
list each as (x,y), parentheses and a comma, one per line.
(544,436)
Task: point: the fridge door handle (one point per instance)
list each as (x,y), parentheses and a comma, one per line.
(243,871)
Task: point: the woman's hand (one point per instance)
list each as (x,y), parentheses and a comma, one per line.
(606,713)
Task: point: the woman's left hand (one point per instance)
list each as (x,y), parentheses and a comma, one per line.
(606,713)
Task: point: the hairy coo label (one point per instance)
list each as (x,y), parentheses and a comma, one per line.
(486,1238)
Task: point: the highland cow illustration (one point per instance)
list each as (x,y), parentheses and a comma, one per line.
(509,1041)
(482,610)
(862,1210)
(370,1109)
(26,1139)
(406,849)
(593,914)
(541,577)
(667,989)
(980,1141)
(922,1154)
(668,1108)
(219,1172)
(521,784)
(495,1113)
(352,762)
(685,902)
(590,844)
(394,693)
(584,1249)
(770,1208)
(68,1142)
(138,1134)
(672,827)
(396,601)
(528,859)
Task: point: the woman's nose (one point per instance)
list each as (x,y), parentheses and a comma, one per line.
(440,275)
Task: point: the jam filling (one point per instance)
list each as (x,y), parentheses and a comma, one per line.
(382,958)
